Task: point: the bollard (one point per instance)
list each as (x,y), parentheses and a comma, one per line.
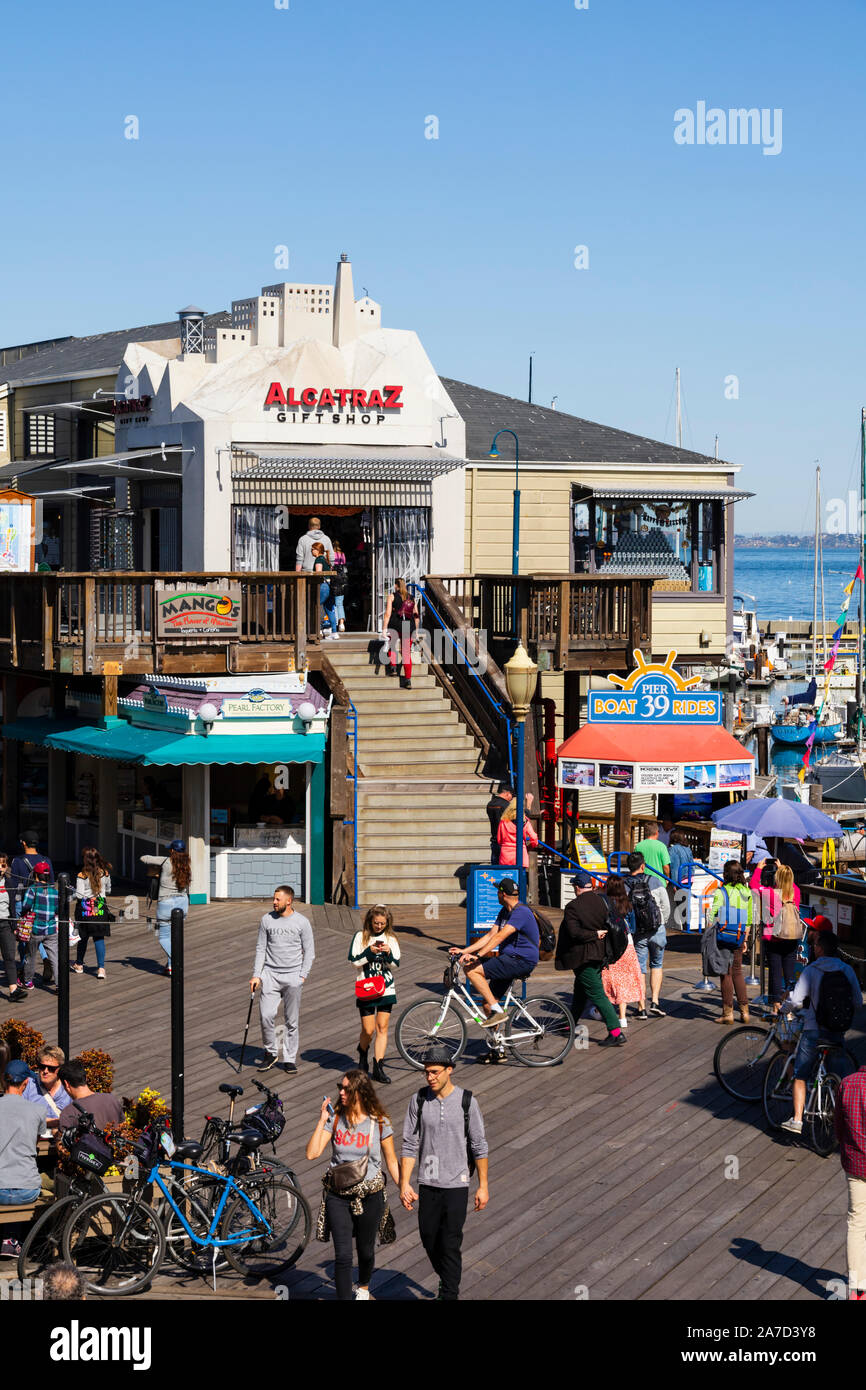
(177,1039)
(751,978)
(62,981)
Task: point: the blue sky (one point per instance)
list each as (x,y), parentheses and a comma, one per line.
(305,126)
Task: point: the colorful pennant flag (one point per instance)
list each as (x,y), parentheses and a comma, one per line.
(828,667)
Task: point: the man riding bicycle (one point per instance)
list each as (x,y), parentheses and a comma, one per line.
(516,937)
(823,1003)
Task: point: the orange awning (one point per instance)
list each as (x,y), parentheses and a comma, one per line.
(660,743)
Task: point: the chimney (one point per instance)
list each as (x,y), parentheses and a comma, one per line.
(345,322)
(191,329)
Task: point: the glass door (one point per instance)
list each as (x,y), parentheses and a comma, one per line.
(402,551)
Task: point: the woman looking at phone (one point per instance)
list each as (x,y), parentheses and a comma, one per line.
(375,954)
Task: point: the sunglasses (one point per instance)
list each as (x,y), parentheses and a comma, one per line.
(43,1067)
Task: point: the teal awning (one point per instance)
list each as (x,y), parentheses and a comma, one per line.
(122,742)
(36,729)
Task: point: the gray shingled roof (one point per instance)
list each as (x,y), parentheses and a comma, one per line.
(548,436)
(99,352)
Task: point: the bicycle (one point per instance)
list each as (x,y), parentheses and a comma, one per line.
(539,1031)
(821,1091)
(738,1057)
(118,1242)
(43,1243)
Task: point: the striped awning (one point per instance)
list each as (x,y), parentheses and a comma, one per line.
(345,463)
(669,494)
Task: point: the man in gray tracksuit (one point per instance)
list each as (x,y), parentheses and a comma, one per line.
(284,955)
(304,551)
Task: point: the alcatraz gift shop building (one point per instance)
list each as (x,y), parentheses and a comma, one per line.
(226,439)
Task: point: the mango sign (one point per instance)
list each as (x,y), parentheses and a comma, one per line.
(655,693)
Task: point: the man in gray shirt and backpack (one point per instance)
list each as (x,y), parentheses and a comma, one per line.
(284,955)
(444,1133)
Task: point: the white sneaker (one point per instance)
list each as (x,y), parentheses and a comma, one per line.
(793,1126)
(341,626)
(623,1023)
(362,1295)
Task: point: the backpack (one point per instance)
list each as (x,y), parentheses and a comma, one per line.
(647,914)
(546,937)
(733,931)
(616,940)
(466,1102)
(834,1010)
(407,609)
(786,923)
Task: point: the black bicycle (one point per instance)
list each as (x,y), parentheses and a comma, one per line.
(43,1245)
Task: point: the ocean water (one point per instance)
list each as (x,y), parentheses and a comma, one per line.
(781,581)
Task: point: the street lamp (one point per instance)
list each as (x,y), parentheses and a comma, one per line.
(515,525)
(521,676)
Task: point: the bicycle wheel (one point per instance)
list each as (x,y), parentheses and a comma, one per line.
(778,1095)
(822,1124)
(422,1026)
(44,1243)
(540,1031)
(739,1062)
(288,1215)
(116,1244)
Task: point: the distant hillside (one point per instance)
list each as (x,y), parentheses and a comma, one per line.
(791,542)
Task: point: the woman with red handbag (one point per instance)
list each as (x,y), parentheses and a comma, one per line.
(375,954)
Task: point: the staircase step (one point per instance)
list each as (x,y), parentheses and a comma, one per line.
(384,879)
(417,802)
(371,706)
(358,672)
(418,835)
(448,898)
(393,749)
(427,859)
(441,718)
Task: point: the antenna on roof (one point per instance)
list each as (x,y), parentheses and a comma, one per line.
(679,414)
(531,355)
(717,446)
(553,402)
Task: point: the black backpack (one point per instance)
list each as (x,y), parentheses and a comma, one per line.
(466,1102)
(616,939)
(834,1010)
(647,916)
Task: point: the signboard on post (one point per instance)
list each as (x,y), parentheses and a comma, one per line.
(482,895)
(654,694)
(198,610)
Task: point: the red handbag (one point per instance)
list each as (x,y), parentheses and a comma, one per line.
(370,987)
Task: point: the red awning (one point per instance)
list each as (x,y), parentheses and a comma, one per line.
(660,743)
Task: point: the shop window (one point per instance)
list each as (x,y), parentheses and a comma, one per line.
(40,434)
(678,541)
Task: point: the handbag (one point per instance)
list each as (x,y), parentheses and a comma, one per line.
(24,929)
(354,1170)
(370,987)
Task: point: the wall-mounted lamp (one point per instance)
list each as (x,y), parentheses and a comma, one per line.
(208,714)
(704,639)
(307,713)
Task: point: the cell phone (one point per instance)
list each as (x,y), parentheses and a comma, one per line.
(330,1106)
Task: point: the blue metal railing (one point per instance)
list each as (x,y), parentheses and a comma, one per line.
(494,704)
(353,716)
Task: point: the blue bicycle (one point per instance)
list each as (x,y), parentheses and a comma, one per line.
(261,1223)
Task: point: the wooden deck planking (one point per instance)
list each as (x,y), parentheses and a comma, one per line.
(631,1201)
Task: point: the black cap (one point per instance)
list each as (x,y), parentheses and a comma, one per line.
(508,886)
(582,879)
(439,1056)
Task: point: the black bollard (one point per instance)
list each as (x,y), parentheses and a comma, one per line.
(62,981)
(177,1043)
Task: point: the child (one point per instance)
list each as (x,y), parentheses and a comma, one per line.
(39,913)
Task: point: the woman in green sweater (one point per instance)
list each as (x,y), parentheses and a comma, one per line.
(375,954)
(733,902)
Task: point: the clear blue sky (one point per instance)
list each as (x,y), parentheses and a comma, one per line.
(305,126)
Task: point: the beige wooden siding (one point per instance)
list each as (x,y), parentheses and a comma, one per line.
(545,526)
(677,626)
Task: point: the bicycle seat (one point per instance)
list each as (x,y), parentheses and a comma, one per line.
(188,1148)
(229,1090)
(249,1138)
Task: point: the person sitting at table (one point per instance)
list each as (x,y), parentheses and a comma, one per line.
(47,1089)
(21,1123)
(104,1106)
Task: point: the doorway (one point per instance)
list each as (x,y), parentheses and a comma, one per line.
(350,530)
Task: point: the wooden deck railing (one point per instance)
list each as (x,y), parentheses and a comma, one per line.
(582,621)
(76,622)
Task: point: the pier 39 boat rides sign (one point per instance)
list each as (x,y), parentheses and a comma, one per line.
(663,736)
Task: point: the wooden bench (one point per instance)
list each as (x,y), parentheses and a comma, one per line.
(22,1211)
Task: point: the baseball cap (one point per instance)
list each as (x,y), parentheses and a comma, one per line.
(581,879)
(819,923)
(439,1056)
(507,885)
(179,846)
(42,867)
(17,1071)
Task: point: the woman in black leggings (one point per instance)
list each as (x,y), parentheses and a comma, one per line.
(354,1205)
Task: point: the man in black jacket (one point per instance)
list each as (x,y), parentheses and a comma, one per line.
(580,947)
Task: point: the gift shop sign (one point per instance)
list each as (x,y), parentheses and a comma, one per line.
(185,610)
(347,405)
(655,693)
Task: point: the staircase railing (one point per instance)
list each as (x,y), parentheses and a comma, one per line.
(486,709)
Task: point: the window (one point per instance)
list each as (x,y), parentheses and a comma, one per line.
(677,540)
(2,429)
(40,434)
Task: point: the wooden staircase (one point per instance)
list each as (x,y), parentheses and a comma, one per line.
(421,793)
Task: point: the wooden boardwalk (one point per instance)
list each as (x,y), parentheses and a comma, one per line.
(610,1174)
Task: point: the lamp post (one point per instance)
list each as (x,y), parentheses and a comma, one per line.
(521,675)
(515,521)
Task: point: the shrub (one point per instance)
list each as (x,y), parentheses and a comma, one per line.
(25,1042)
(99,1067)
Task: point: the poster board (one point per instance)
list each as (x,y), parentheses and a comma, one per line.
(482,895)
(724,845)
(17,532)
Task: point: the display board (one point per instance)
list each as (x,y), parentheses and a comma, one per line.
(482,895)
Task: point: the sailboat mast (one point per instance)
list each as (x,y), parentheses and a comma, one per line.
(821,572)
(815,581)
(679,414)
(861,664)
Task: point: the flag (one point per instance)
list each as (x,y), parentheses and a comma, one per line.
(831,660)
(858,575)
(849,588)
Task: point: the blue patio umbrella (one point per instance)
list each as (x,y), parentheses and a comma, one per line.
(774,817)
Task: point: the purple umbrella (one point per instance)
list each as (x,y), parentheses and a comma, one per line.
(773,816)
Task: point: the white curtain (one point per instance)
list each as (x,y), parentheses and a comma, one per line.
(256,539)
(402,549)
